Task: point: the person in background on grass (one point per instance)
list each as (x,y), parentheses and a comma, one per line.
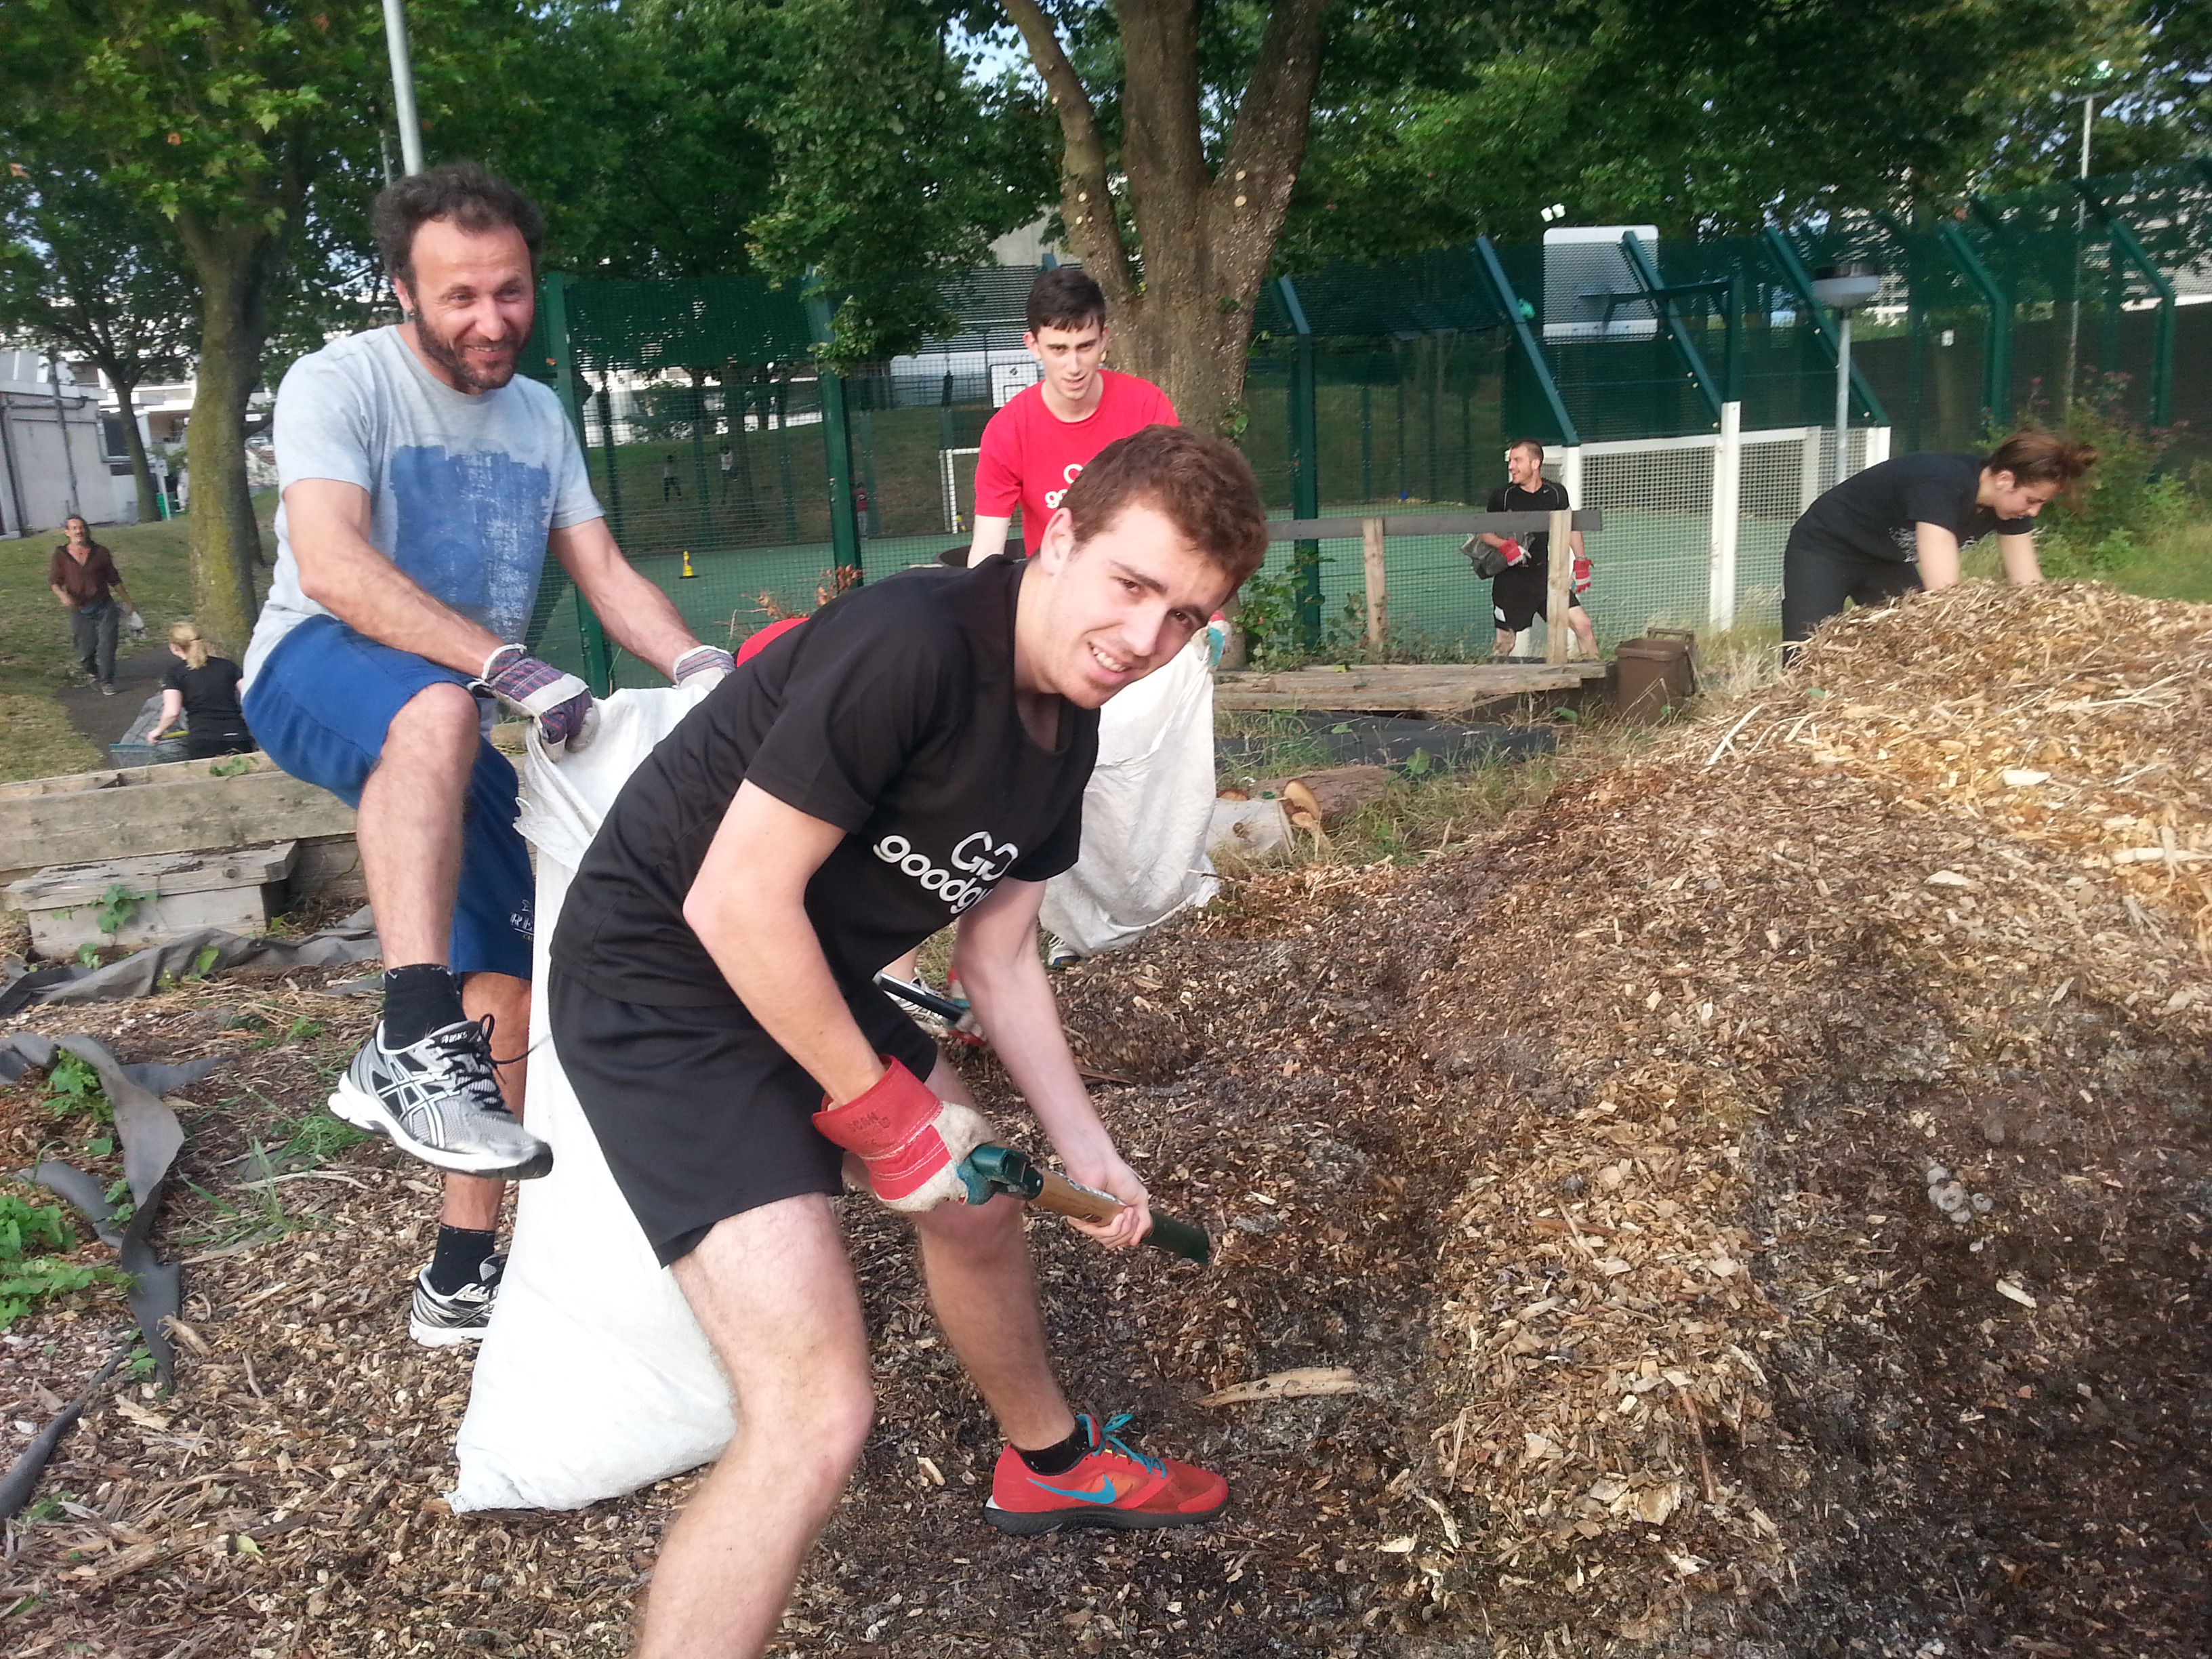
(1899,528)
(202,688)
(84,578)
(1522,592)
(422,484)
(669,486)
(913,756)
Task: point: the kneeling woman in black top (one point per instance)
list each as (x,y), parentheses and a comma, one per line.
(1900,526)
(204,690)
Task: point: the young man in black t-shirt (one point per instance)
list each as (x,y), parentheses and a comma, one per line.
(1900,526)
(1522,592)
(914,754)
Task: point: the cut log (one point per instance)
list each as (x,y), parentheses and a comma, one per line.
(1325,798)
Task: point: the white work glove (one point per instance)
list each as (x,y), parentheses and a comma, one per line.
(703,667)
(910,1142)
(562,704)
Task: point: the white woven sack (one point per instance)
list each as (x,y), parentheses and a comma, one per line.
(593,1379)
(1146,813)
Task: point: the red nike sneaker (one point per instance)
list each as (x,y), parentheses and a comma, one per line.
(1111,1486)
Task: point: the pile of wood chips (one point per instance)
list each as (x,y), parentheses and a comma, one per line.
(1719,1041)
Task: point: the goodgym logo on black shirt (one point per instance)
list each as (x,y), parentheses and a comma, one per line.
(977,863)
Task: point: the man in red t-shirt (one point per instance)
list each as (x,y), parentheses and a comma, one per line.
(1035,446)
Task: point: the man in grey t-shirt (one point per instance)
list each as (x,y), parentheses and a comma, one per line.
(423,485)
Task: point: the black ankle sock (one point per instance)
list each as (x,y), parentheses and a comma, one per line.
(418,1000)
(1059,1459)
(460,1257)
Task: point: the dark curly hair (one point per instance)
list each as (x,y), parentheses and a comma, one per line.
(474,198)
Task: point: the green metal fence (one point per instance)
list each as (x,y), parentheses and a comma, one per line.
(1686,388)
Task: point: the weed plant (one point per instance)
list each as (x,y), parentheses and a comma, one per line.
(34,1239)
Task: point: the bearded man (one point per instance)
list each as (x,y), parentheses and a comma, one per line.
(423,486)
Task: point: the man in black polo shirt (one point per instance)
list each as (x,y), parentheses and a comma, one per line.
(1522,592)
(913,755)
(1900,526)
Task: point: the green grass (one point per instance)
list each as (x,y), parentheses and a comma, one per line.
(36,658)
(2171,561)
(2175,566)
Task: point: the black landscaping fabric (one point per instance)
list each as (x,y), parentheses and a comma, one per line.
(1330,739)
(141,973)
(151,1137)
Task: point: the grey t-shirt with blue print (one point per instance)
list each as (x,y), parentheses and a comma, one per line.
(463,488)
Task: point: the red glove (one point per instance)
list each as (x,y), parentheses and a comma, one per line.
(911,1141)
(1581,574)
(1514,552)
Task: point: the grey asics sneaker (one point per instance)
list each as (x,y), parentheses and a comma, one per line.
(439,1100)
(440,1321)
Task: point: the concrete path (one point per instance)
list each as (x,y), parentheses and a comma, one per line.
(138,671)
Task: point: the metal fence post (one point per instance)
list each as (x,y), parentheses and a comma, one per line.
(2125,246)
(1508,303)
(1727,514)
(1305,462)
(1670,321)
(837,441)
(590,637)
(1996,353)
(1800,283)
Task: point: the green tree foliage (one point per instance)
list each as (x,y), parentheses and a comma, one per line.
(894,163)
(87,270)
(228,121)
(1182,130)
(1692,114)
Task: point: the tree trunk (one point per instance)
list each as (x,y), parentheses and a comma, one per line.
(236,265)
(1182,301)
(134,441)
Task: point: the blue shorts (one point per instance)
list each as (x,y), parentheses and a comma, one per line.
(320,707)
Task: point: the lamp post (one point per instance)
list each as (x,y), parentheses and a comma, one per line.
(403,85)
(1843,289)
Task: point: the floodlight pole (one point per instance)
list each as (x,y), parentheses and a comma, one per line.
(403,85)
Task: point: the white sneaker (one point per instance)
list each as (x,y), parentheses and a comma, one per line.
(439,1101)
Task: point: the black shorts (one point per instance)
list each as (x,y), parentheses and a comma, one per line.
(700,1113)
(1817,581)
(1519,596)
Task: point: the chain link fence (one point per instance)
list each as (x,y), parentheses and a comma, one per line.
(1684,386)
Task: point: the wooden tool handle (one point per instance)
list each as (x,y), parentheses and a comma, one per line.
(1065,1197)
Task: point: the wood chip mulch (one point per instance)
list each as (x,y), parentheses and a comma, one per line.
(1762,1195)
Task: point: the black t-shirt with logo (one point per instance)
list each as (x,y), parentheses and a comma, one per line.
(1548,496)
(891,715)
(1873,514)
(210,694)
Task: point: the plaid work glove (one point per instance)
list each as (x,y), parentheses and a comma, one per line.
(1581,574)
(910,1141)
(560,702)
(703,666)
